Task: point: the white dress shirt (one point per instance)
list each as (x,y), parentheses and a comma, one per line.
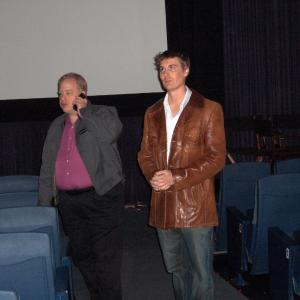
(171,121)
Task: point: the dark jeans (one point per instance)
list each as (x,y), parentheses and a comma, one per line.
(93,225)
(188,256)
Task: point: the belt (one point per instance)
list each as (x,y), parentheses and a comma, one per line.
(78,191)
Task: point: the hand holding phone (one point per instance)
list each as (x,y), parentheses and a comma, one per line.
(81,95)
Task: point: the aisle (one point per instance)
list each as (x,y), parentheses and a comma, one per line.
(143,273)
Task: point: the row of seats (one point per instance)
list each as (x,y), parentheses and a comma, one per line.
(32,250)
(30,254)
(18,190)
(258,213)
(242,186)
(237,188)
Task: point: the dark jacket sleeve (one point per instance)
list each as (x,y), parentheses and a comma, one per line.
(103,122)
(46,179)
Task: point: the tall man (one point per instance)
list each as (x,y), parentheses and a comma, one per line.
(82,170)
(183,147)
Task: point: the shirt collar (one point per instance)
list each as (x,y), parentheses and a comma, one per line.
(183,103)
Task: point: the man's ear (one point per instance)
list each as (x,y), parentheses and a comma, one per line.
(186,71)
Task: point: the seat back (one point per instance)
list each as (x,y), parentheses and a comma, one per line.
(18,190)
(8,295)
(26,265)
(237,188)
(33,219)
(287,166)
(277,204)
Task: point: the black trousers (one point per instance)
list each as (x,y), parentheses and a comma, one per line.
(93,225)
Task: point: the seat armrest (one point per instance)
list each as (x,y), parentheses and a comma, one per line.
(296,268)
(237,214)
(284,261)
(62,288)
(66,261)
(238,225)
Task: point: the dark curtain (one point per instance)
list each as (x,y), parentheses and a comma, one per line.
(258,42)
(244,54)
(261,54)
(196,27)
(136,188)
(21,145)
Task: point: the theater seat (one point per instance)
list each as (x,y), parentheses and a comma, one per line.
(38,219)
(287,166)
(8,295)
(284,262)
(18,190)
(27,267)
(276,204)
(237,189)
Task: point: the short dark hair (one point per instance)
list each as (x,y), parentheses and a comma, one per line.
(80,80)
(184,58)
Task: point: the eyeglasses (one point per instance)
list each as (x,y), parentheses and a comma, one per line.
(170,68)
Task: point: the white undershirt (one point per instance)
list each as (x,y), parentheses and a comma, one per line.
(172,121)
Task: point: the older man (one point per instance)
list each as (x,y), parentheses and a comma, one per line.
(82,170)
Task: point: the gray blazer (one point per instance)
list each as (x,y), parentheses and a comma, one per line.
(97,133)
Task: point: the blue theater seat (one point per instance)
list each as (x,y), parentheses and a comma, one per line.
(27,267)
(284,262)
(237,189)
(18,190)
(276,204)
(8,295)
(287,166)
(38,219)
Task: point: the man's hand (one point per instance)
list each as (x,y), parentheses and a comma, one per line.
(162,180)
(80,102)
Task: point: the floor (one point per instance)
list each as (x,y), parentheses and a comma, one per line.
(256,288)
(143,273)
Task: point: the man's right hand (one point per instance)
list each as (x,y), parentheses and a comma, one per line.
(162,180)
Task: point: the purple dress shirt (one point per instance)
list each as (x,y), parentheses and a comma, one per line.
(70,171)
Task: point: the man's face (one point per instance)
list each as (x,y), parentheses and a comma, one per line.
(172,74)
(68,91)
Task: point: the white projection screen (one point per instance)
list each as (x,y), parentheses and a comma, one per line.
(110,42)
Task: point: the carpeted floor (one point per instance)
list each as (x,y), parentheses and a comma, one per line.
(143,273)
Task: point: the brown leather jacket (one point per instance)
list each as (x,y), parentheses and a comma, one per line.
(197,153)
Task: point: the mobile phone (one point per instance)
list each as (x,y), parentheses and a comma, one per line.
(81,95)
